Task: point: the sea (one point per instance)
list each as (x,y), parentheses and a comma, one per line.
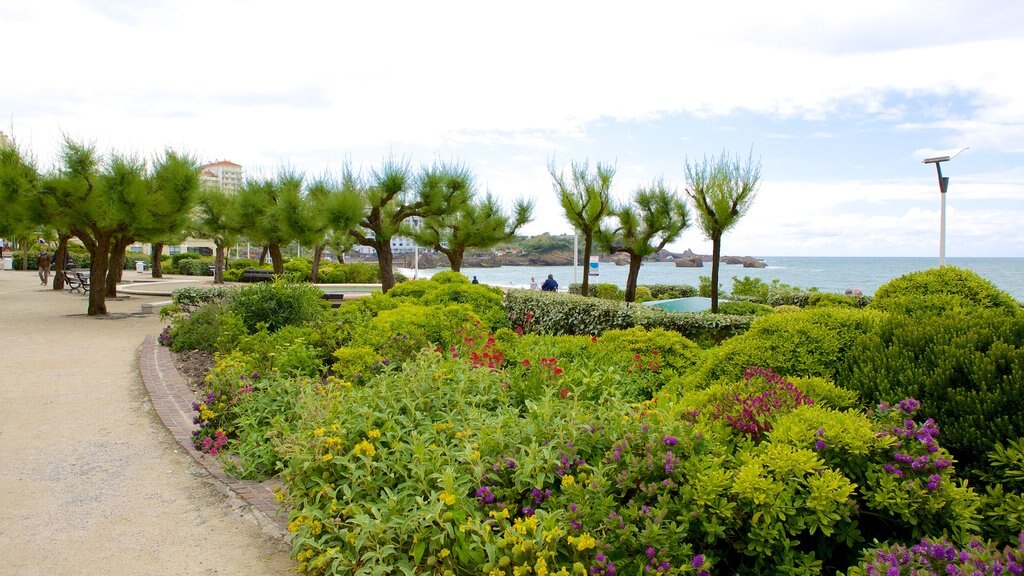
(827,274)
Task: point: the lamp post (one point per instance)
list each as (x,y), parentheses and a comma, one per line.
(943,186)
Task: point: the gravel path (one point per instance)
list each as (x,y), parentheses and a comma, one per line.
(90,480)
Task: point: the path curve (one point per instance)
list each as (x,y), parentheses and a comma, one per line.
(90,480)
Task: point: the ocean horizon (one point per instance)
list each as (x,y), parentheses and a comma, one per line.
(826,273)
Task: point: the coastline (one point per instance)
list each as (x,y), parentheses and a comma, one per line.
(828,274)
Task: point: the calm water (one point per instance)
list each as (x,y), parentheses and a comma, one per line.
(832,274)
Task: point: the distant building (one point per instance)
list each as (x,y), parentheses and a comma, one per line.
(5,142)
(399,244)
(223,175)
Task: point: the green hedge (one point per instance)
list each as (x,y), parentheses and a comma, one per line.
(810,342)
(555,313)
(966,367)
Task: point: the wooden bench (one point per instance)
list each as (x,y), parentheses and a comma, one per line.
(252,275)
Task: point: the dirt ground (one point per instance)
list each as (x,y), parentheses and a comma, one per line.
(90,480)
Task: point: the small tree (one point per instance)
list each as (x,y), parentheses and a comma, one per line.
(586,200)
(476,224)
(265,209)
(328,211)
(655,217)
(722,190)
(391,197)
(216,218)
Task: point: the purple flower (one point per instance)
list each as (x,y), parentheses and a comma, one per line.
(527,511)
(819,444)
(697,561)
(255,375)
(909,405)
(670,440)
(942,463)
(651,552)
(484,495)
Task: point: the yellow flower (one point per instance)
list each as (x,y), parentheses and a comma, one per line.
(541,567)
(319,431)
(448,499)
(335,427)
(332,442)
(327,457)
(583,542)
(444,553)
(366,448)
(568,480)
(375,433)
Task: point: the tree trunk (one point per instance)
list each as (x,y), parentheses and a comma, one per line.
(455,258)
(24,252)
(218,264)
(276,259)
(97,275)
(62,258)
(318,251)
(156,266)
(341,258)
(263,255)
(635,261)
(115,266)
(716,253)
(588,239)
(384,261)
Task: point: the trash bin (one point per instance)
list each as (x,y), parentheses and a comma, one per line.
(8,263)
(140,266)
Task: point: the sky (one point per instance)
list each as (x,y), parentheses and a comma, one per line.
(839,103)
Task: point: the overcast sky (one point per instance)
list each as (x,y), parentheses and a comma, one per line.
(839,101)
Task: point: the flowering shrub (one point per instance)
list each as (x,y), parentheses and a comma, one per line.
(937,556)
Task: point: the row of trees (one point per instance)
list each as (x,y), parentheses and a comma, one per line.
(722,190)
(110,202)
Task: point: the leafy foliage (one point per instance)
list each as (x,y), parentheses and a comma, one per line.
(569,314)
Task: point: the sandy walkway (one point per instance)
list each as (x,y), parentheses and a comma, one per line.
(90,480)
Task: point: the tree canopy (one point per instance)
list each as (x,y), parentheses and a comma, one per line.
(586,199)
(722,190)
(655,216)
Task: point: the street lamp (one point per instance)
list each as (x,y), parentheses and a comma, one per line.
(943,186)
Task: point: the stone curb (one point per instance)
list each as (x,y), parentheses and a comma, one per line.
(172,400)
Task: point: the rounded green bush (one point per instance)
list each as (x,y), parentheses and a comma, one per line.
(810,342)
(274,305)
(941,289)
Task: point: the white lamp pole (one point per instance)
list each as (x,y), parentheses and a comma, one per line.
(943,186)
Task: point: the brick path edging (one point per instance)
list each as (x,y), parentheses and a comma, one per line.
(172,400)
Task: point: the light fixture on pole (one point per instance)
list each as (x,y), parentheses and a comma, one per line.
(943,186)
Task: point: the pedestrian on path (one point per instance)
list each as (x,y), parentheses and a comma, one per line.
(43,264)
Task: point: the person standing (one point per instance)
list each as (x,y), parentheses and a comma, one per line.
(549,285)
(475,281)
(43,264)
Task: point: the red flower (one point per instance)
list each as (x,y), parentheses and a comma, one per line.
(526,363)
(558,371)
(563,393)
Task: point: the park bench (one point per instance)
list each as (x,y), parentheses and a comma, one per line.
(334,298)
(76,281)
(252,275)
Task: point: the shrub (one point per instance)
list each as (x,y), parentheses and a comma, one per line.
(744,308)
(243,264)
(356,273)
(530,310)
(966,366)
(608,292)
(233,275)
(811,342)
(277,304)
(669,291)
(211,328)
(177,259)
(196,266)
(192,297)
(941,289)
(299,269)
(939,556)
(842,300)
(643,294)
